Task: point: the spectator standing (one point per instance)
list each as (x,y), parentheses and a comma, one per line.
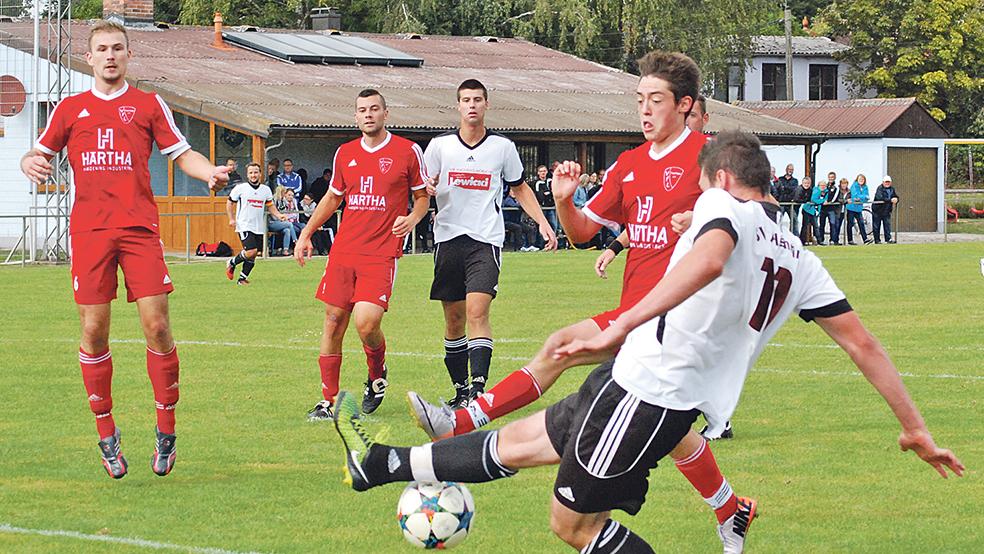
(320,186)
(273,171)
(787,193)
(825,187)
(523,237)
(773,182)
(833,208)
(855,209)
(544,197)
(234,177)
(289,179)
(881,210)
(811,212)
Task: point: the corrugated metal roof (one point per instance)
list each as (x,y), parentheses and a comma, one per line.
(861,117)
(802,46)
(532,88)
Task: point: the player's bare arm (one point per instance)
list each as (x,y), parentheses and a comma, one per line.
(868,354)
(579,227)
(231,212)
(198,166)
(303,248)
(36,166)
(700,266)
(405,223)
(526,198)
(607,255)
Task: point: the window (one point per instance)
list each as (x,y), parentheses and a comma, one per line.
(529,153)
(774,81)
(736,84)
(235,145)
(823,82)
(197,133)
(158,172)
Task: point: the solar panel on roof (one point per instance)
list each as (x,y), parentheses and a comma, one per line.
(317,48)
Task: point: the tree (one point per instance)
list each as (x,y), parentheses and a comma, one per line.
(930,49)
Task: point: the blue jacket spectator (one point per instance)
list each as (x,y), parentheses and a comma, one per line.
(859,197)
(581,192)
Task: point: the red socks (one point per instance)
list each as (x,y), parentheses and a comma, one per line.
(330,365)
(375,359)
(97,375)
(162,368)
(702,471)
(518,389)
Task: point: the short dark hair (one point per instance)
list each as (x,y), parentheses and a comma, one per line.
(370,92)
(326,171)
(472,84)
(288,160)
(703,103)
(252,164)
(740,154)
(677,69)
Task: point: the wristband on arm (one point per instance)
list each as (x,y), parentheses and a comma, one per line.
(615,246)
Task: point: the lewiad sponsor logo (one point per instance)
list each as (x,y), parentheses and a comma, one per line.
(470,180)
(255,202)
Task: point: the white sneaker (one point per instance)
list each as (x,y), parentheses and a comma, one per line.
(734,530)
(533,249)
(436,421)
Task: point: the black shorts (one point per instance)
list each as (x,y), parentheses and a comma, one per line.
(608,440)
(250,240)
(463,265)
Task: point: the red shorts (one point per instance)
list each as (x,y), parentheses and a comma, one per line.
(97,254)
(351,278)
(605,319)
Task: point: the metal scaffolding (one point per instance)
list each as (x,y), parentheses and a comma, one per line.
(53,200)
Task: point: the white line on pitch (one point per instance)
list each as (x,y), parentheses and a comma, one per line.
(10,529)
(525,359)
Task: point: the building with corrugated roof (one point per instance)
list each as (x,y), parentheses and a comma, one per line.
(234,102)
(874,137)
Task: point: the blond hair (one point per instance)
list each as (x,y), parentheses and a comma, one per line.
(104,26)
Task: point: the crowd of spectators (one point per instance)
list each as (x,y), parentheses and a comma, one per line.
(820,212)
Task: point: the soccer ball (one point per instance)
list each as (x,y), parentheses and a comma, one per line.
(435,515)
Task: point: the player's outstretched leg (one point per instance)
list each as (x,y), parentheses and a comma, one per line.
(516,390)
(472,458)
(734,530)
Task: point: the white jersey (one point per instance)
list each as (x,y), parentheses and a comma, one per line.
(469,187)
(699,353)
(251,201)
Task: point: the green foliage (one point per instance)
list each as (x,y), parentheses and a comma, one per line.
(87,9)
(960,158)
(930,49)
(286,14)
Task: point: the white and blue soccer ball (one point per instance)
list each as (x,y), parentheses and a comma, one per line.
(435,515)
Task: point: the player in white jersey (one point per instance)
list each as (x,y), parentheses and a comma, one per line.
(249,199)
(468,169)
(736,276)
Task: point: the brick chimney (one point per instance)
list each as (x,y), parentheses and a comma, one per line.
(131,13)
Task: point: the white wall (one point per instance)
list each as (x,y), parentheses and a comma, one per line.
(801,76)
(848,157)
(15,191)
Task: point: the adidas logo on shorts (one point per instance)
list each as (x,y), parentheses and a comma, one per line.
(566,492)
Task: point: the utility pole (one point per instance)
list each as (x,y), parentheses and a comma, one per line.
(787,20)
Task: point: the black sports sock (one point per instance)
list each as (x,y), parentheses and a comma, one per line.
(456,360)
(247,267)
(615,537)
(240,258)
(479,358)
(469,458)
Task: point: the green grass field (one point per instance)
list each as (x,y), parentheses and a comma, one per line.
(815,444)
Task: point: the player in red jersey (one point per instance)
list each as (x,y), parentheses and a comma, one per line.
(110,132)
(644,189)
(374,175)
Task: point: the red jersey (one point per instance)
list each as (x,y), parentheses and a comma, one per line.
(376,183)
(110,140)
(642,191)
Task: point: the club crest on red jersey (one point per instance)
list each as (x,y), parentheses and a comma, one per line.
(671,177)
(127,113)
(385,164)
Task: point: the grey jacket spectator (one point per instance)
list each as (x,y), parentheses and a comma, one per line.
(787,186)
